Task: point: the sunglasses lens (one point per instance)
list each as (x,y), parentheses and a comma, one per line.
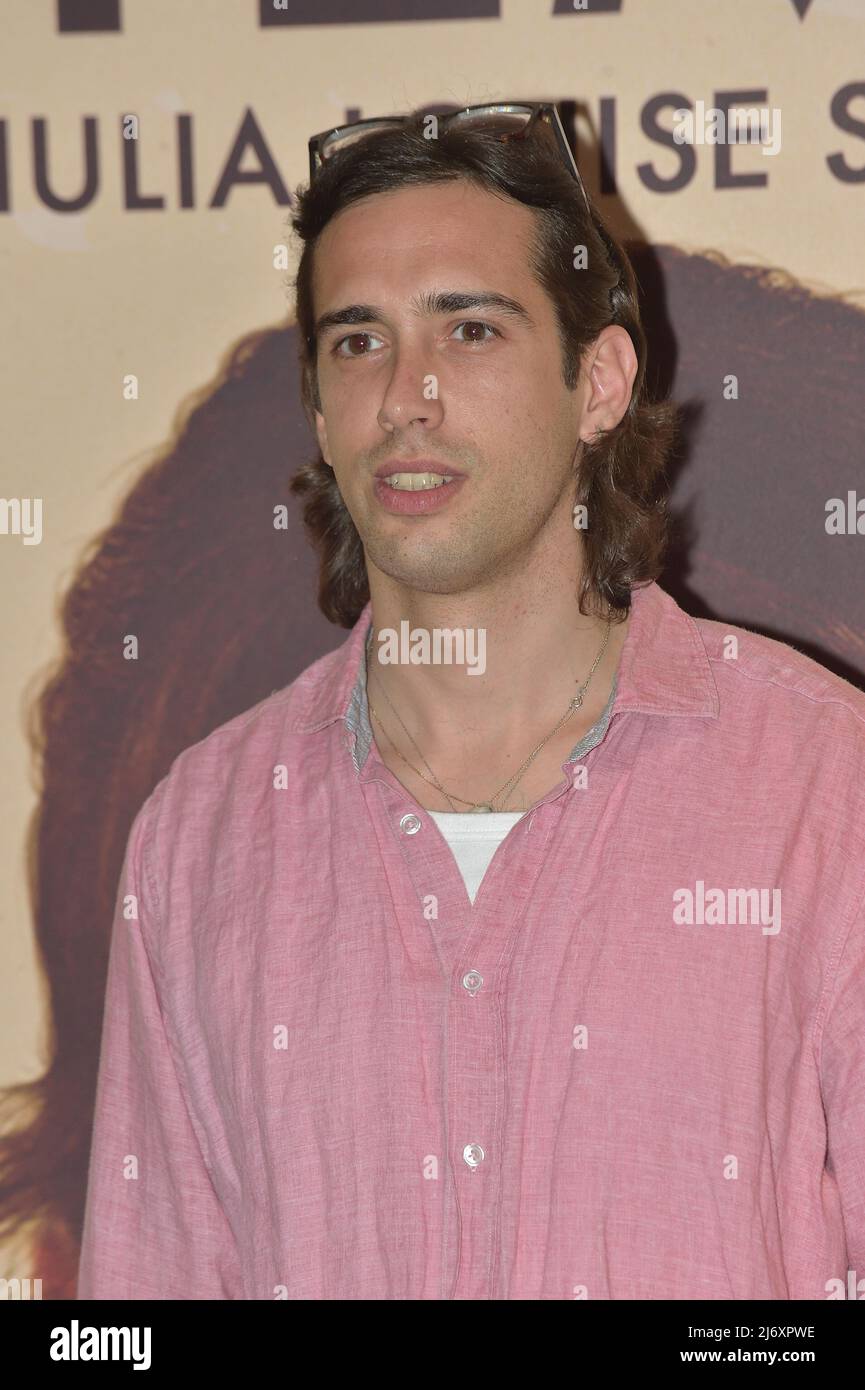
(341,139)
(495,120)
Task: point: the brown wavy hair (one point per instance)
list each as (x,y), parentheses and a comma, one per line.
(620,476)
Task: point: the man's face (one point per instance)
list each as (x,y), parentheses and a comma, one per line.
(475,390)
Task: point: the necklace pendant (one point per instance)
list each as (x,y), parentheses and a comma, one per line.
(475,809)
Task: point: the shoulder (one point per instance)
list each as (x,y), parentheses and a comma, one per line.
(774,675)
(225,772)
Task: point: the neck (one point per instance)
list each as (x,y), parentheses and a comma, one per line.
(531,649)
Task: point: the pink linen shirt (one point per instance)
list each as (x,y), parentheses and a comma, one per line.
(633,1069)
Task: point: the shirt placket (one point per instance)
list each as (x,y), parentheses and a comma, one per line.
(474,946)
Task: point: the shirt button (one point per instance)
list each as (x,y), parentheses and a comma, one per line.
(409,824)
(473,1155)
(472,981)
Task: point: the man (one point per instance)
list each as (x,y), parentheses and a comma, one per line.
(540,976)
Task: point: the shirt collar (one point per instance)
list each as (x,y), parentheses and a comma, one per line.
(663,669)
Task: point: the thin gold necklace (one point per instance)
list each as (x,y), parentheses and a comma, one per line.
(479,806)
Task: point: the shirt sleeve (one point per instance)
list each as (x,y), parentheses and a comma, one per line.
(842,1074)
(153,1225)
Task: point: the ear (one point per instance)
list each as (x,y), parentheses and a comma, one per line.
(611,367)
(321,432)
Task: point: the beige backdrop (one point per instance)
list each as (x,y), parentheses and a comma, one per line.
(92,295)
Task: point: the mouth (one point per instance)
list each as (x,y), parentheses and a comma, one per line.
(417,482)
(415,491)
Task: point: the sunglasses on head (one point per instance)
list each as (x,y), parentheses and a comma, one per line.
(508,121)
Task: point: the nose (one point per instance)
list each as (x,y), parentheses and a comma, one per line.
(411,396)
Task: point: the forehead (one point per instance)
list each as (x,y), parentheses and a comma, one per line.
(454,233)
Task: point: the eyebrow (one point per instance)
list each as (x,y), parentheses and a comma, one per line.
(430,302)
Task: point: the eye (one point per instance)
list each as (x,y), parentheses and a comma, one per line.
(353,338)
(477,323)
(361,344)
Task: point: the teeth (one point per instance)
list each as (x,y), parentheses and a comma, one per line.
(417,482)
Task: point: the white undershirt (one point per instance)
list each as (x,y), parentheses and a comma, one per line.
(474,839)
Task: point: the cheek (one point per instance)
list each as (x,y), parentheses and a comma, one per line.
(348,399)
(350,414)
(511,386)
